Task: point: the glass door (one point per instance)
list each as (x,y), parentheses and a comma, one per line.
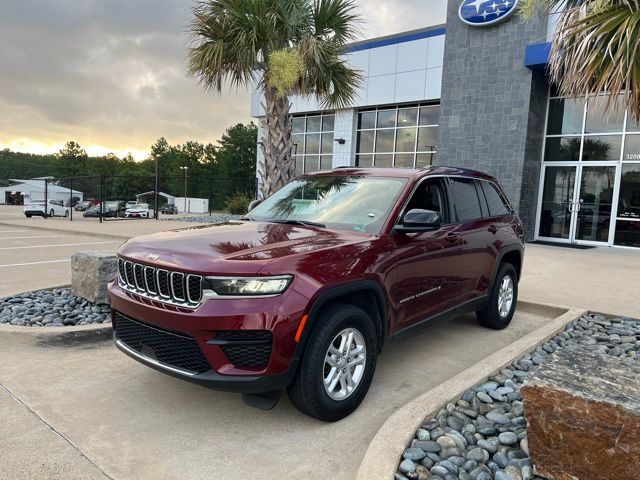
(577,203)
(594,203)
(557,202)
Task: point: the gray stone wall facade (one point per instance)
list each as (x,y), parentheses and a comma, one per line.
(492,107)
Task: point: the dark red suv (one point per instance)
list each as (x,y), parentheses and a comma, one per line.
(305,291)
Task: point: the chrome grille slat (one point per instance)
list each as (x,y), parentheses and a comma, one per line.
(128,272)
(192,281)
(160,276)
(138,277)
(150,277)
(177,280)
(173,287)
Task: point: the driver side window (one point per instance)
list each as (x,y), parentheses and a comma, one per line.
(429,196)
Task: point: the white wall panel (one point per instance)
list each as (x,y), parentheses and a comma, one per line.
(382,60)
(412,55)
(381,89)
(435,55)
(359,60)
(410,86)
(433,84)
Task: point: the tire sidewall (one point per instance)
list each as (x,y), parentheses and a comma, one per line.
(334,321)
(504,270)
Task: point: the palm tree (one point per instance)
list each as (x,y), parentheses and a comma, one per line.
(287,47)
(595,49)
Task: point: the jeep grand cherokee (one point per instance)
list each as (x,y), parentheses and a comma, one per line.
(305,291)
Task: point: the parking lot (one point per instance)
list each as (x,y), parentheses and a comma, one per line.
(35,252)
(31,259)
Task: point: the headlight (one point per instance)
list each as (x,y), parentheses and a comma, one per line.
(243,286)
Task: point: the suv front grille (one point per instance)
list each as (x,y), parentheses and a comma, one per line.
(177,288)
(170,348)
(245,348)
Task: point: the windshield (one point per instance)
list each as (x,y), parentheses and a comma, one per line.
(358,203)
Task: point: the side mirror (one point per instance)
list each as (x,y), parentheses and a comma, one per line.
(253,204)
(418,220)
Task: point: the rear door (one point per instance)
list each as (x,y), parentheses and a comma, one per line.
(480,232)
(428,264)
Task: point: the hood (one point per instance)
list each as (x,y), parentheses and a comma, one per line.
(240,248)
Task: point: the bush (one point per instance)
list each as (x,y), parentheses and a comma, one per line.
(238,203)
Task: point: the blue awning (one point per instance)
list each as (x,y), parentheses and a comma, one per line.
(536,56)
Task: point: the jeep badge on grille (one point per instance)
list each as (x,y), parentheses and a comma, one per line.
(153,256)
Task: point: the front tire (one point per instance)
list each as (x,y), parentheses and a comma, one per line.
(501,306)
(52,213)
(337,366)
(66,214)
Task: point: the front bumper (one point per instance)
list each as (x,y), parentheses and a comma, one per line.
(278,315)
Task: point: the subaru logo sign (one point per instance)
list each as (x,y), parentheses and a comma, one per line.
(481,13)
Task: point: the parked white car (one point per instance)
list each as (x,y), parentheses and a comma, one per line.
(53,208)
(141,210)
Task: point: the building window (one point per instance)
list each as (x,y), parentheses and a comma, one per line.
(580,192)
(401,136)
(313,142)
(628,217)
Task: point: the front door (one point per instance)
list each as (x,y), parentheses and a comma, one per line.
(428,264)
(577,203)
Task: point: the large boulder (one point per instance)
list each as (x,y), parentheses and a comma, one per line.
(583,411)
(90,273)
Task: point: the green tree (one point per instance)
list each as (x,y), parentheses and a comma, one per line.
(289,47)
(73,160)
(236,154)
(595,49)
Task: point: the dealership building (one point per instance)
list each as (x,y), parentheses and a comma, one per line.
(474,93)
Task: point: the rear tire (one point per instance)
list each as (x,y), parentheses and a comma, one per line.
(66,214)
(501,305)
(319,389)
(28,215)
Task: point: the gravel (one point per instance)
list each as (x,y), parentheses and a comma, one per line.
(216,218)
(483,436)
(51,308)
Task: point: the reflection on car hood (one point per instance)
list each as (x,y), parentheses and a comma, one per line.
(240,248)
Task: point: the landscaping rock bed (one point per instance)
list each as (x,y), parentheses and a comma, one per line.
(482,436)
(51,308)
(216,218)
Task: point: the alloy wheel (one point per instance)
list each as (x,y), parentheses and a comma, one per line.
(505,296)
(344,364)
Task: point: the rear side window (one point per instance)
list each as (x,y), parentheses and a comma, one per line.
(497,204)
(465,199)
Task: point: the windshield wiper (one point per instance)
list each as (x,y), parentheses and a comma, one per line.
(304,223)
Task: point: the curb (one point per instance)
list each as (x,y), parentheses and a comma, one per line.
(54,331)
(385,450)
(123,238)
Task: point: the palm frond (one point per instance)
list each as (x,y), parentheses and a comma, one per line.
(596,50)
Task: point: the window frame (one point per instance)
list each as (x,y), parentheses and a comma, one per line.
(489,184)
(446,208)
(369,158)
(455,210)
(300,149)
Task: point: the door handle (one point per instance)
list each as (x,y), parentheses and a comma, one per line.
(493,228)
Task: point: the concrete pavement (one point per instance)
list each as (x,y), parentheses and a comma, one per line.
(135,423)
(599,279)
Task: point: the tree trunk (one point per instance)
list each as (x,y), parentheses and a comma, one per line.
(278,166)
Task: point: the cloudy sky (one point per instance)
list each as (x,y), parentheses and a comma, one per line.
(110,74)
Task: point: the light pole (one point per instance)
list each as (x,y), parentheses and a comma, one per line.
(185,187)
